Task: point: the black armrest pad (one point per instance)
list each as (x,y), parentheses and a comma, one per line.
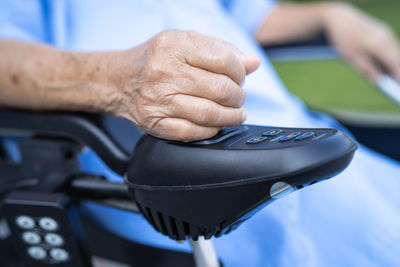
(111,138)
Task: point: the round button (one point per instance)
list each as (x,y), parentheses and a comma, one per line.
(37,253)
(48,224)
(31,238)
(59,254)
(25,222)
(54,239)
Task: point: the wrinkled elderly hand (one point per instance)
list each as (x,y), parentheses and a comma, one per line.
(180,85)
(366,43)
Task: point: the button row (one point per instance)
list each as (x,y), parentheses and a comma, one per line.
(34,238)
(275,132)
(46,223)
(40,253)
(270,133)
(31,238)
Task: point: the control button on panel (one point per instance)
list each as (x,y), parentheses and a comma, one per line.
(54,239)
(25,222)
(48,224)
(272,132)
(289,136)
(305,136)
(31,238)
(59,254)
(37,253)
(256,140)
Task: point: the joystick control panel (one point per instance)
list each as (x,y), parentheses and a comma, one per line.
(45,229)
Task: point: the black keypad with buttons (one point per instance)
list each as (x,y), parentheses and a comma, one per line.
(244,137)
(42,228)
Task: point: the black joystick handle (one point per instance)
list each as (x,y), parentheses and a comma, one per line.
(208,188)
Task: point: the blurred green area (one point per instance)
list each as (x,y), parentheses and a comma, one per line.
(332,84)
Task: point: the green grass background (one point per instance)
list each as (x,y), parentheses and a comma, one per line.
(332,84)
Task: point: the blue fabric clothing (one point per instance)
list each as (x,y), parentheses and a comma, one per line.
(351,220)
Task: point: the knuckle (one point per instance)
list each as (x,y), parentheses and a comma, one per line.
(241,74)
(164,38)
(242,97)
(231,64)
(208,114)
(189,40)
(224,92)
(168,99)
(146,96)
(191,34)
(155,71)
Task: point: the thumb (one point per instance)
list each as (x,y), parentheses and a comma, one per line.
(250,62)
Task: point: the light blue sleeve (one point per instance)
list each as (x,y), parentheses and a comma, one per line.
(24,20)
(248,13)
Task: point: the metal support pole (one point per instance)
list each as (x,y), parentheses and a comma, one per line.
(204,253)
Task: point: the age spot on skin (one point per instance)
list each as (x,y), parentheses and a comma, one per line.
(14,79)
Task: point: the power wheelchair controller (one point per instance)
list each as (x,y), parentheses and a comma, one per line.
(190,191)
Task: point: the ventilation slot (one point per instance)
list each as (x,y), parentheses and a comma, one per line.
(171,225)
(180,229)
(186,228)
(161,223)
(175,228)
(150,217)
(194,232)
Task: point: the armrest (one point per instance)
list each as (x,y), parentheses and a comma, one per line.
(95,131)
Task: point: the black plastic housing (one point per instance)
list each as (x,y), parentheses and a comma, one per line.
(209,188)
